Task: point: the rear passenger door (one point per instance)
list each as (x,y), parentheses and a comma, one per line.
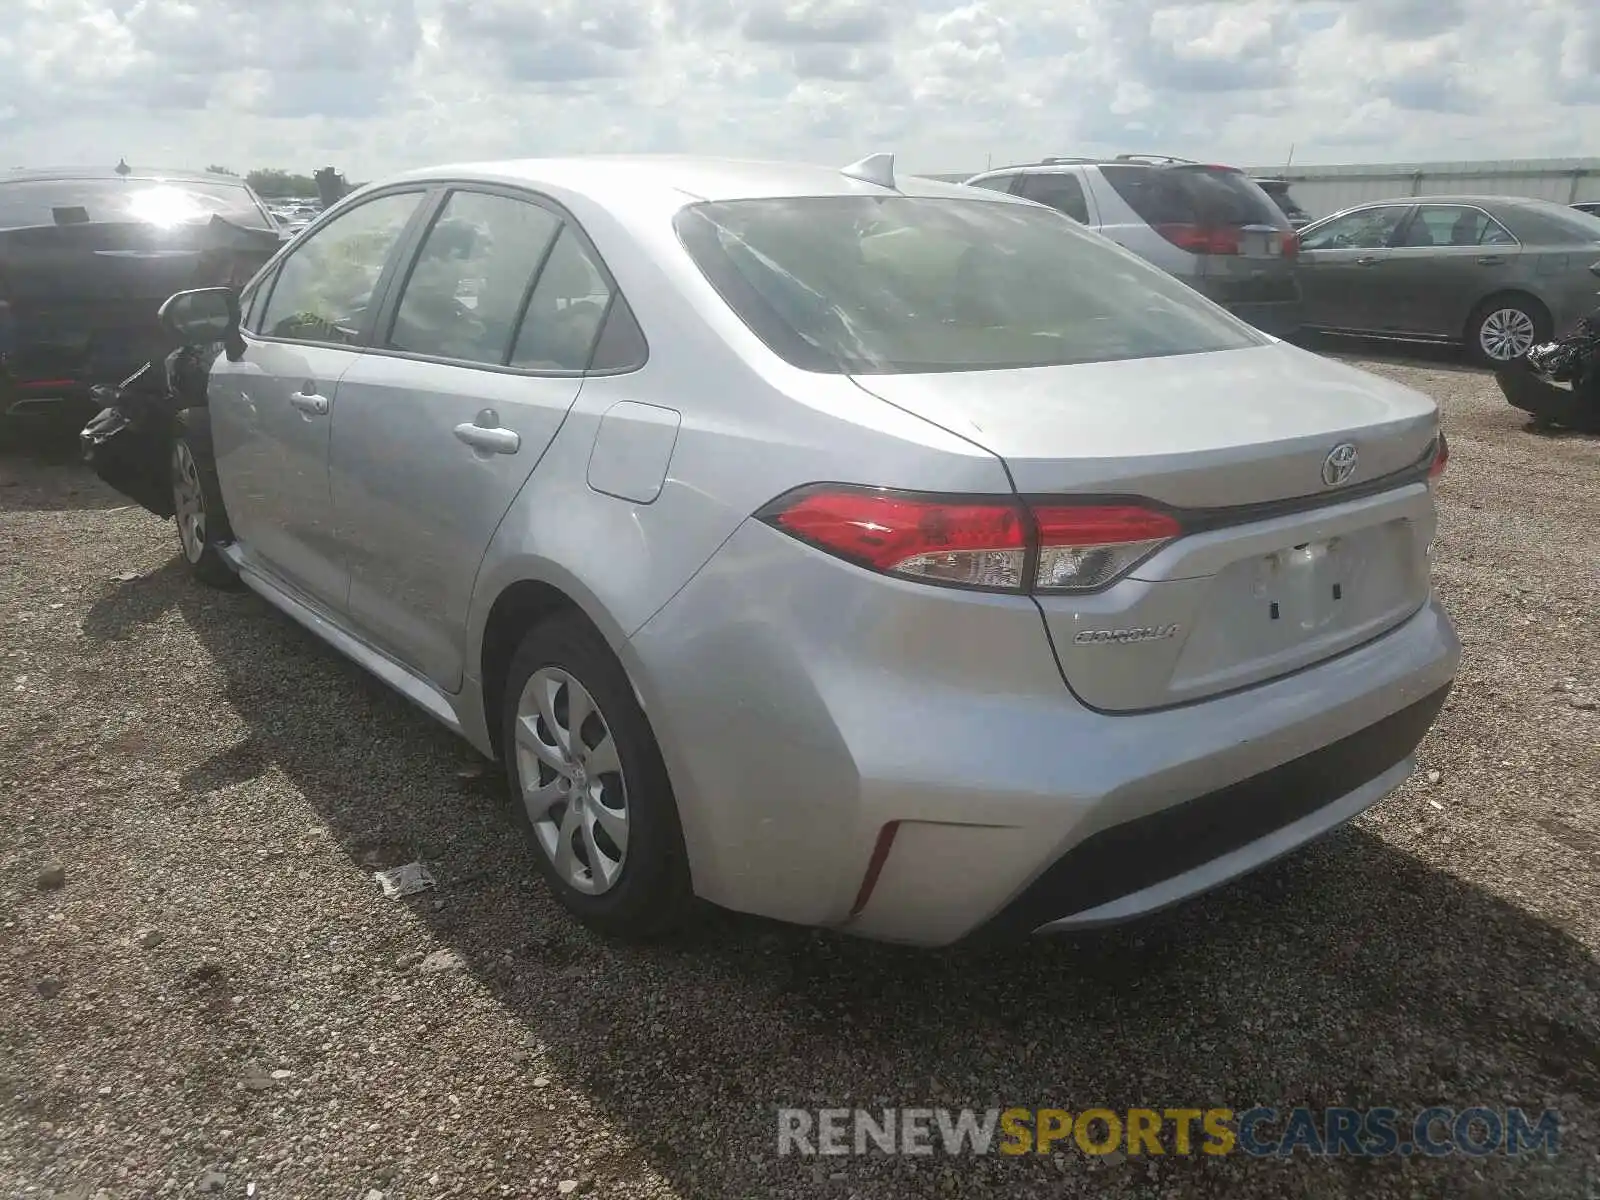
(479,354)
(1446,259)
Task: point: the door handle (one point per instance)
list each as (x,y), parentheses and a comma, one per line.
(1366,260)
(486,434)
(1492,260)
(308,401)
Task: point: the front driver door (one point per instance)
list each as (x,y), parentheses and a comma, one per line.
(1341,269)
(483,350)
(271,412)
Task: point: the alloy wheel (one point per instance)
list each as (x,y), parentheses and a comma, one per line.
(1506,334)
(572,780)
(189,505)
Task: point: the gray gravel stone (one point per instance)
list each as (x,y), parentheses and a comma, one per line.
(201,764)
(51,878)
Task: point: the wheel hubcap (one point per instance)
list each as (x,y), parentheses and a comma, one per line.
(1507,333)
(189,506)
(572,781)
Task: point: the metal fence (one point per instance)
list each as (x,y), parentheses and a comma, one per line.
(1323,190)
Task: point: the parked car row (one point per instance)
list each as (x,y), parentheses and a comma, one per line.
(1495,274)
(857,550)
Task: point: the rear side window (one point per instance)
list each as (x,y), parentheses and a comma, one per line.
(1061,192)
(1453,225)
(568,304)
(1193,196)
(621,346)
(996,183)
(35,202)
(904,284)
(466,289)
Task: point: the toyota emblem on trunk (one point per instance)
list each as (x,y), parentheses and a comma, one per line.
(1339,465)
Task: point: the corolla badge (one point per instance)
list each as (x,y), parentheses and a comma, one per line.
(1121,637)
(1340,464)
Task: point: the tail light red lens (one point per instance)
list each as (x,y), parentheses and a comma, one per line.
(1441,458)
(1291,245)
(1200,239)
(993,544)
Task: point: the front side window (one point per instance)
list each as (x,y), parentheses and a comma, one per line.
(996,183)
(1365,229)
(465,292)
(1060,192)
(325,286)
(877,285)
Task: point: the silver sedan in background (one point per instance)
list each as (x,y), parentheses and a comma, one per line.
(1498,274)
(855,550)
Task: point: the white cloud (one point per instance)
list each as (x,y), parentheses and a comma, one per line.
(376,85)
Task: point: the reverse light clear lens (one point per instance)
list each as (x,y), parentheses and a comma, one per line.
(1079,568)
(969,568)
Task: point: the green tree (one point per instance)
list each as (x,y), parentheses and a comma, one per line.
(273,183)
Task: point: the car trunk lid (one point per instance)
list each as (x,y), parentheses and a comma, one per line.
(1277,568)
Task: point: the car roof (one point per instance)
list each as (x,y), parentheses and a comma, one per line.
(73,174)
(1478,201)
(673,180)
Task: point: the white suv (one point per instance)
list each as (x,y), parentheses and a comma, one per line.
(1210,226)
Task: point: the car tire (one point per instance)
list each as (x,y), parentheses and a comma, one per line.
(1510,321)
(198,511)
(602,823)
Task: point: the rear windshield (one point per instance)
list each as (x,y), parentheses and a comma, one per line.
(27,203)
(1193,196)
(880,285)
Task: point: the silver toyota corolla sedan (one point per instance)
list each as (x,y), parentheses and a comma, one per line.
(856,550)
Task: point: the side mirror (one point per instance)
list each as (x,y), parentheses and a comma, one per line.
(204,315)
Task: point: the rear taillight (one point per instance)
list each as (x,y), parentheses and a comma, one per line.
(988,543)
(1291,245)
(1441,457)
(1086,547)
(1201,239)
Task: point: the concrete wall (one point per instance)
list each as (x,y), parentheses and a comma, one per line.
(1323,190)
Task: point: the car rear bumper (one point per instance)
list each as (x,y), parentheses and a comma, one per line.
(805,707)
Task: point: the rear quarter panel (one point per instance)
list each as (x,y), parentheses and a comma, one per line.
(749,429)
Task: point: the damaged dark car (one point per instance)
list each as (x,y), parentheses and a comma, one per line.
(1558,383)
(86,259)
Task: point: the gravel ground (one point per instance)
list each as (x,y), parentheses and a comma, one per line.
(217,996)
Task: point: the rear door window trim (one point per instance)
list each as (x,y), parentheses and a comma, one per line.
(387,310)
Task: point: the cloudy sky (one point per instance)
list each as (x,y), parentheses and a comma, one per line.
(375,85)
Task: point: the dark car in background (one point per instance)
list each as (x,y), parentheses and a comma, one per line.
(1592,207)
(1278,189)
(1498,274)
(86,258)
(1209,225)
